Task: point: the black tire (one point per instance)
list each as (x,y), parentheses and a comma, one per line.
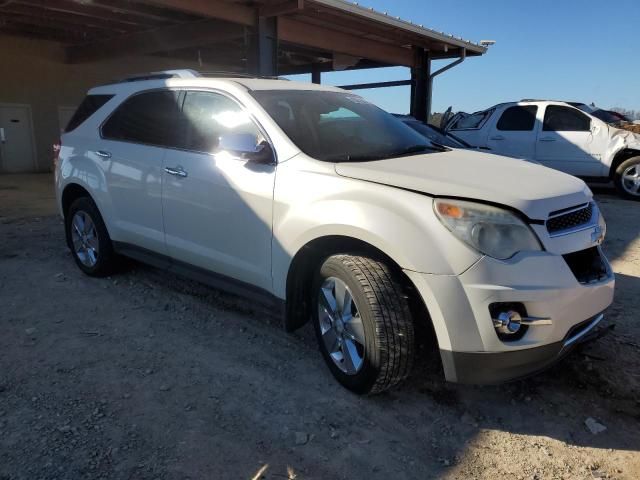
(389,345)
(618,178)
(106,257)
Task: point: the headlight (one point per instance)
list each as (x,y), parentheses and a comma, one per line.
(490,230)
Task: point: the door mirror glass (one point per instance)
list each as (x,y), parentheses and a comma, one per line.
(238,143)
(244,145)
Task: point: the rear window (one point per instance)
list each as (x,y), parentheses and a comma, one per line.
(151,118)
(518,119)
(90,105)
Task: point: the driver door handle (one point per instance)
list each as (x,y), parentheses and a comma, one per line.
(497,137)
(547,139)
(177,171)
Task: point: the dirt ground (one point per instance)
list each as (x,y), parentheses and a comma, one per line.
(148,376)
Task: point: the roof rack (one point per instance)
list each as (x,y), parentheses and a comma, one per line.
(223,74)
(186,73)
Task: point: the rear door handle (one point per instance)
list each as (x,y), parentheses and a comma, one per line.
(547,139)
(497,137)
(3,138)
(177,171)
(104,155)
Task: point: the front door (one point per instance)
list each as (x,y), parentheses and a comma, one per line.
(569,142)
(514,132)
(217,207)
(16,139)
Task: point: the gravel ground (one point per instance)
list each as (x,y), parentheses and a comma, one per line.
(147,376)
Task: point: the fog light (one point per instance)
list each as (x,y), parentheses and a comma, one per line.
(508,323)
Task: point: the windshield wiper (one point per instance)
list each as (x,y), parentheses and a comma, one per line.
(419,148)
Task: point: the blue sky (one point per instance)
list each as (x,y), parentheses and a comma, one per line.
(580,50)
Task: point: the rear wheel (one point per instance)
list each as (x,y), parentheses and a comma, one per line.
(88,238)
(627,178)
(363,323)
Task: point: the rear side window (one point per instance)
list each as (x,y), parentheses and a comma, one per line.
(518,119)
(150,118)
(90,105)
(564,119)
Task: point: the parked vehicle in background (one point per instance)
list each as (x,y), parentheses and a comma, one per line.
(368,229)
(434,134)
(558,135)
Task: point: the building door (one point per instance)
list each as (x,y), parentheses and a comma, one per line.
(16,139)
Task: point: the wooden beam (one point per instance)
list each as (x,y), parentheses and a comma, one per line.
(91,10)
(170,38)
(80,31)
(301,33)
(283,8)
(65,18)
(231,12)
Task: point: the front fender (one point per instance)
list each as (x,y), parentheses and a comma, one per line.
(400,223)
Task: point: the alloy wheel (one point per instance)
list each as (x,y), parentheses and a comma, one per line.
(631,180)
(341,326)
(85,238)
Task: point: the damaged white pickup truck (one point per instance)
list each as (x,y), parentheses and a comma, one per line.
(559,136)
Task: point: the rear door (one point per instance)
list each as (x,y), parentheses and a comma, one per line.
(132,149)
(514,132)
(218,207)
(567,142)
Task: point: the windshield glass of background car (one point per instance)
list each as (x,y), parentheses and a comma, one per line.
(336,126)
(435,135)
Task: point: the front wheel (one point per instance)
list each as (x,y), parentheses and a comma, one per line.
(363,323)
(627,178)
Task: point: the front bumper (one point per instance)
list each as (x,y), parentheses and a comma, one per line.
(486,368)
(542,282)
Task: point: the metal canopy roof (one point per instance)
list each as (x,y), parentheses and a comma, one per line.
(332,34)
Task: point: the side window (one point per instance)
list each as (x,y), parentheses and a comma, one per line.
(210,115)
(564,119)
(90,105)
(151,118)
(518,119)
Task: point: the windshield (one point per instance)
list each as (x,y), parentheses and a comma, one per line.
(597,112)
(336,126)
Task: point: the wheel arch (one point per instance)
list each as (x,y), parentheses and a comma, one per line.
(621,156)
(71,193)
(308,260)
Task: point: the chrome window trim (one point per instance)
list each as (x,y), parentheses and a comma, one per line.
(186,90)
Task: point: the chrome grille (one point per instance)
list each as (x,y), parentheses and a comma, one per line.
(570,220)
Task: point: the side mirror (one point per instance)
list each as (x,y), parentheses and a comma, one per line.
(243,145)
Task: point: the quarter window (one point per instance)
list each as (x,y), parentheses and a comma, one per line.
(150,118)
(210,115)
(518,118)
(564,119)
(90,105)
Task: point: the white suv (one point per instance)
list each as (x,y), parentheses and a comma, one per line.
(318,203)
(566,136)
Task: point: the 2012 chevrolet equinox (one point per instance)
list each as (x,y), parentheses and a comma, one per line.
(314,200)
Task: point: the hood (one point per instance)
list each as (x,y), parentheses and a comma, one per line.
(528,187)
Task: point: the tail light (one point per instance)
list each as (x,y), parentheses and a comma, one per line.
(56,152)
